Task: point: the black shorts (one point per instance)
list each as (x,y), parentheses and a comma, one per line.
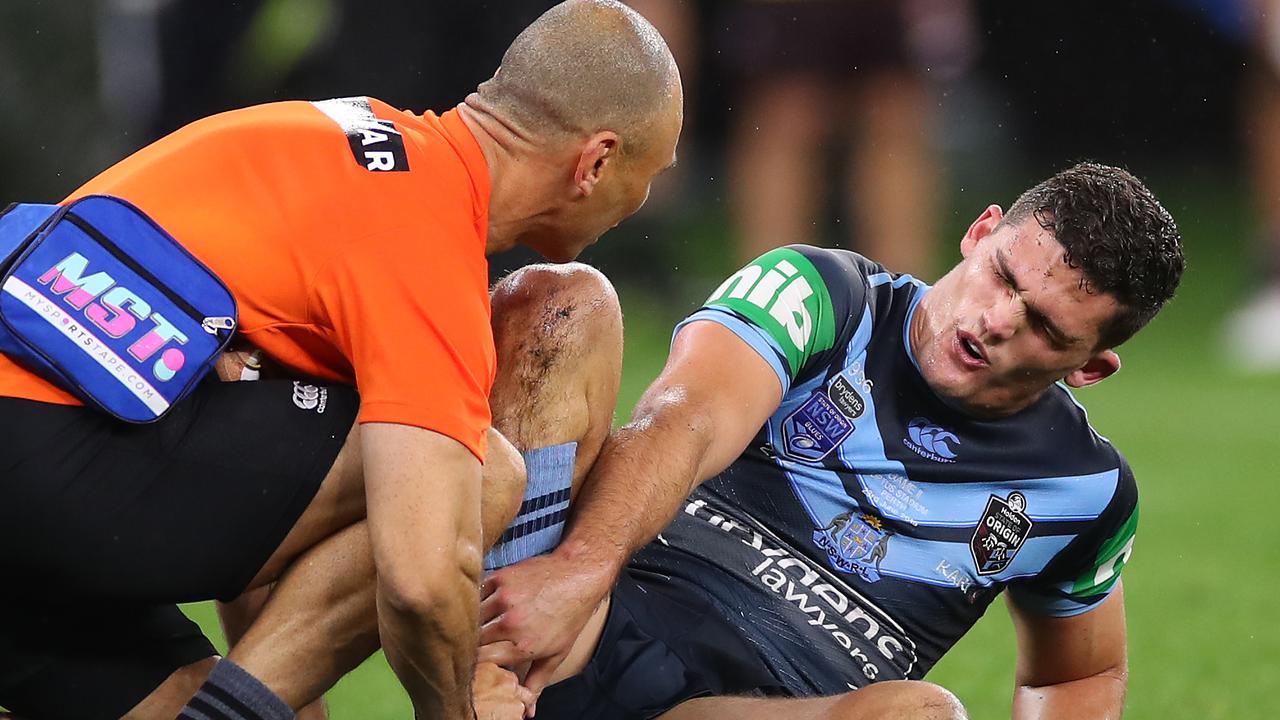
(697,613)
(90,662)
(108,524)
(665,641)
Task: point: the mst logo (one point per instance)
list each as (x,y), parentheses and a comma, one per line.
(118,311)
(930,441)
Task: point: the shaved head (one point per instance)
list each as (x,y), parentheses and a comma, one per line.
(583,67)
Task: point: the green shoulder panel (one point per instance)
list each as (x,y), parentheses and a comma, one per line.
(783,294)
(1113,555)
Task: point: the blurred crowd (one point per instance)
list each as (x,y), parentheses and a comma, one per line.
(868,124)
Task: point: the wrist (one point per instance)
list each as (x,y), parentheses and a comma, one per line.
(599,563)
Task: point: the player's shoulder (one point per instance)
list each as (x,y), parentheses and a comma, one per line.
(837,266)
(1066,433)
(283,117)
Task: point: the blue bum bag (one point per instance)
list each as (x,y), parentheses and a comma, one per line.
(101,301)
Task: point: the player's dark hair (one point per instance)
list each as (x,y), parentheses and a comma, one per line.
(1115,231)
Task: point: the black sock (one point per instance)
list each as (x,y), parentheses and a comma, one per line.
(230,693)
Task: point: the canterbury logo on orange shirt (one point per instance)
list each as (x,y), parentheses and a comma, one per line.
(376,143)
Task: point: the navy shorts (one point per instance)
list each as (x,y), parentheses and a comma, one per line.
(664,641)
(104,526)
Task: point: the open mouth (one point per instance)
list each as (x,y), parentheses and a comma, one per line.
(970,349)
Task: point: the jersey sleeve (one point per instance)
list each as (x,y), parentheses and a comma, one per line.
(411,313)
(789,305)
(1088,569)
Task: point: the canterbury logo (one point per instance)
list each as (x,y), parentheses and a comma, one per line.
(931,441)
(310,397)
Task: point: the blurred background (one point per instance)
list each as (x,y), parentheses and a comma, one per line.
(883,126)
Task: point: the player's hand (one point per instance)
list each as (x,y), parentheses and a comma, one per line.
(535,610)
(497,694)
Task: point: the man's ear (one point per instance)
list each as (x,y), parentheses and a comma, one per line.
(982,227)
(600,151)
(1095,370)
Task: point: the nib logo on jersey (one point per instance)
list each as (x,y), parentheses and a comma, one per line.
(930,441)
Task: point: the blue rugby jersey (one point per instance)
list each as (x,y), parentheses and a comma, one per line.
(868,525)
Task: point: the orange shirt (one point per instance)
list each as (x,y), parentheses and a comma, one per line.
(352,236)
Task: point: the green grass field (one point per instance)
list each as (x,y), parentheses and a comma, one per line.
(1200,588)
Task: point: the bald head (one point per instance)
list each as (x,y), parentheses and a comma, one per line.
(583,67)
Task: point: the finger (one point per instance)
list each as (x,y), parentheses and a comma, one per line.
(489,585)
(503,652)
(541,671)
(528,699)
(491,606)
(496,630)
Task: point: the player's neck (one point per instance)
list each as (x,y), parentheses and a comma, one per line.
(517,187)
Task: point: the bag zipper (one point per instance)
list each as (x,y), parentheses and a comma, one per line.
(211,325)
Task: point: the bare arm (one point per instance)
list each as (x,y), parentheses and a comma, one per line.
(710,400)
(694,420)
(424,520)
(1074,667)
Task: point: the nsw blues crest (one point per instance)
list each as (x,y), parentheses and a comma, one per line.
(815,429)
(855,543)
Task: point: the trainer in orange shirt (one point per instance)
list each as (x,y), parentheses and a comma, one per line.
(353,237)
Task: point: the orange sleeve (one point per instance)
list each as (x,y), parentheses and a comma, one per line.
(411,311)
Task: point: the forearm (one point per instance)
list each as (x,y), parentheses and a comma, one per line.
(432,645)
(1093,698)
(643,474)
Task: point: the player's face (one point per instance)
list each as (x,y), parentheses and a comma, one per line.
(1009,321)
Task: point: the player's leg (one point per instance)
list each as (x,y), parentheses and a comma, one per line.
(558,332)
(558,335)
(300,634)
(890,700)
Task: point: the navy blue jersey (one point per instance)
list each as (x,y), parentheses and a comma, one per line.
(869,525)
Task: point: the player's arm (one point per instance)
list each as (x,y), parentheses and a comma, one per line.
(423,492)
(712,397)
(694,420)
(1071,667)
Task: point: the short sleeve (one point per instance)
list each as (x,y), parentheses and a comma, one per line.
(1087,572)
(411,312)
(788,305)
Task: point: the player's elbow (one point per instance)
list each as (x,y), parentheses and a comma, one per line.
(675,409)
(424,586)
(672,417)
